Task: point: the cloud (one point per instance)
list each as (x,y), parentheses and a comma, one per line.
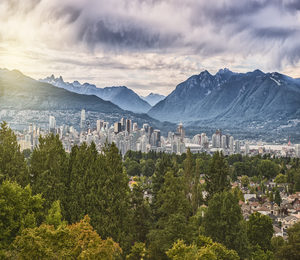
(143,38)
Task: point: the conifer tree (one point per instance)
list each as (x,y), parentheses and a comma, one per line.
(12,162)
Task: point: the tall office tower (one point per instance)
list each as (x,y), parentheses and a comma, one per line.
(135,127)
(223,142)
(156,137)
(205,142)
(150,132)
(247,148)
(128,125)
(197,139)
(227,141)
(52,124)
(117,127)
(123,123)
(99,125)
(231,144)
(203,135)
(214,141)
(237,145)
(82,120)
(297,150)
(181,131)
(146,127)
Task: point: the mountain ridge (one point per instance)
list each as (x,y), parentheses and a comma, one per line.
(121,96)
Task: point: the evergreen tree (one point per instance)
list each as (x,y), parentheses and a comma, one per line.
(141,222)
(173,222)
(216,178)
(19,209)
(12,162)
(277,199)
(48,169)
(260,231)
(224,223)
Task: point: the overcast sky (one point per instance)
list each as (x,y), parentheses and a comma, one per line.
(148,45)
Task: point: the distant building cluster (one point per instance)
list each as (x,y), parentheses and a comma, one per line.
(127,135)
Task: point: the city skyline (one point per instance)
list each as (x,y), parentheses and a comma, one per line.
(143,45)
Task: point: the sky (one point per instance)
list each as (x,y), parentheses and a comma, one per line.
(148,45)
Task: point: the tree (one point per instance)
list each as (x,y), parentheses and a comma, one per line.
(245,181)
(291,249)
(77,241)
(12,163)
(260,231)
(216,178)
(19,210)
(54,216)
(141,221)
(173,222)
(138,251)
(280,178)
(148,167)
(224,223)
(277,199)
(134,168)
(268,169)
(48,168)
(204,249)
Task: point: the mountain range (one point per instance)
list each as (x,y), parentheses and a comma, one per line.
(153,98)
(228,99)
(121,96)
(24,100)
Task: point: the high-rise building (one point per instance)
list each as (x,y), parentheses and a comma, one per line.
(247,148)
(52,124)
(231,144)
(156,137)
(135,127)
(123,123)
(237,145)
(99,125)
(223,142)
(297,150)
(128,125)
(181,131)
(117,127)
(82,120)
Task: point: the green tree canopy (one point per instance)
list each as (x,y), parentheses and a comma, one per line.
(19,209)
(12,162)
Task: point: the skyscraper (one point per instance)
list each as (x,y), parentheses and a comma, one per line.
(128,125)
(52,124)
(117,127)
(82,120)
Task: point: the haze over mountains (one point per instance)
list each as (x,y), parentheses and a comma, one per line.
(153,98)
(24,100)
(268,103)
(122,96)
(253,99)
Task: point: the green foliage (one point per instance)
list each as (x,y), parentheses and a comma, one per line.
(138,251)
(268,168)
(54,216)
(12,163)
(48,169)
(223,222)
(77,241)
(245,181)
(217,179)
(277,198)
(280,178)
(291,249)
(208,250)
(19,210)
(141,221)
(260,231)
(174,211)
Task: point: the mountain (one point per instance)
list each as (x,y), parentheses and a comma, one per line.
(24,100)
(153,98)
(228,99)
(122,96)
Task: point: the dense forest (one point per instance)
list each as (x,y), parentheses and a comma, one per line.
(90,205)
